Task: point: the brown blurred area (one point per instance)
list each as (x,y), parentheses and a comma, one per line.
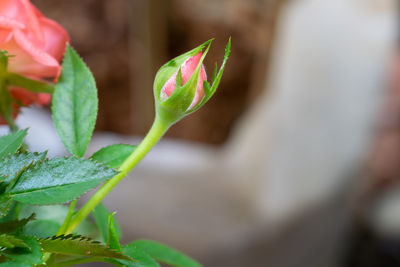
(124,42)
(385,157)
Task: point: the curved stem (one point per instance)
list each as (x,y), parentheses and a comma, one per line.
(153,136)
(36,86)
(67,218)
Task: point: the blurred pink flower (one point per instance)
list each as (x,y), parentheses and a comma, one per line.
(36,43)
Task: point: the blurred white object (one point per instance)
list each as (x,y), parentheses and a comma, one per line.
(311,130)
(42,134)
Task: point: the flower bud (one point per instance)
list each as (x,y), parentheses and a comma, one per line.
(188,67)
(181,86)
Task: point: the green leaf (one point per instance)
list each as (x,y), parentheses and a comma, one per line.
(13,212)
(114,155)
(11,165)
(79,246)
(5,205)
(31,255)
(77,261)
(113,239)
(10,143)
(100,215)
(58,180)
(10,241)
(74,105)
(142,258)
(15,264)
(57,213)
(41,228)
(165,254)
(11,226)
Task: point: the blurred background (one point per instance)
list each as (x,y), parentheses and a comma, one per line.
(294,162)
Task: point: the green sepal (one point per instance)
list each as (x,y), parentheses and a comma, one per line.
(183,95)
(173,109)
(168,69)
(177,106)
(209,93)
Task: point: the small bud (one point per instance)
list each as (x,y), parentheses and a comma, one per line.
(181,86)
(187,69)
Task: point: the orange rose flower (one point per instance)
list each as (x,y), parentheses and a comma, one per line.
(36,43)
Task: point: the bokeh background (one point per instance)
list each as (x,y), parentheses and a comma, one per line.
(294,162)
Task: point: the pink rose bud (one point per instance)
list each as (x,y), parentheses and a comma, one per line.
(181,86)
(36,45)
(187,69)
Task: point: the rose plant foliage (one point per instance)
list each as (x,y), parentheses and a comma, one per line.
(32,48)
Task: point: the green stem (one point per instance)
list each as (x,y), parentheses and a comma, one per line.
(11,123)
(153,136)
(28,84)
(68,218)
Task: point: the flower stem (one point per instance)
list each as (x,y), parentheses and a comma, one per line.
(36,86)
(153,136)
(67,218)
(11,123)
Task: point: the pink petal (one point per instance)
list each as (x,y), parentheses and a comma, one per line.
(32,21)
(26,97)
(24,63)
(43,99)
(55,38)
(11,9)
(37,54)
(199,91)
(9,23)
(5,36)
(188,68)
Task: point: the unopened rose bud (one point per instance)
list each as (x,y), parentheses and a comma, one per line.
(181,86)
(188,67)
